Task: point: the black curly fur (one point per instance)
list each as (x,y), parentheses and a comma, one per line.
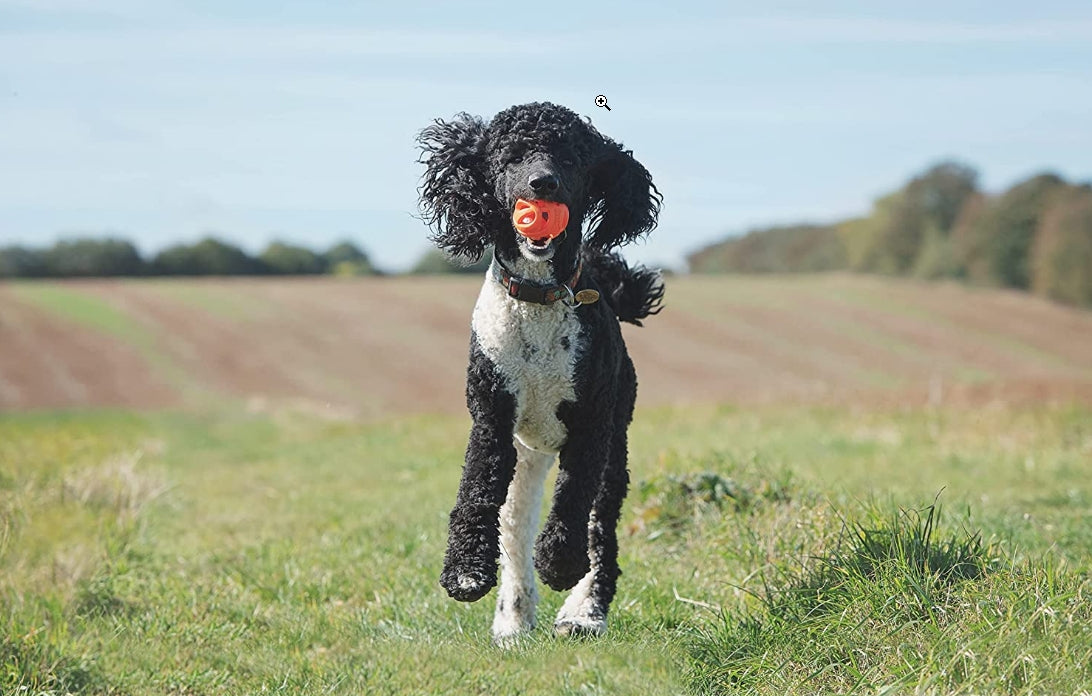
(469,186)
(592,472)
(465,221)
(490,464)
(633,293)
(474,172)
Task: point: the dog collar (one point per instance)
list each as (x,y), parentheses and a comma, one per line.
(530,291)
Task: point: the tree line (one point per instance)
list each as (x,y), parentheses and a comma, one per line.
(1035,236)
(114,257)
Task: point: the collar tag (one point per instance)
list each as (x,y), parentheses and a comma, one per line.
(587,296)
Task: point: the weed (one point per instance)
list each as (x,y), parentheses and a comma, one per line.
(669,502)
(118,485)
(900,548)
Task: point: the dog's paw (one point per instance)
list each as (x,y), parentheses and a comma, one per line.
(508,630)
(562,575)
(467,584)
(582,614)
(581,627)
(561,557)
(515,616)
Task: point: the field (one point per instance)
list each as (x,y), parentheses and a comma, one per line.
(371,348)
(839,485)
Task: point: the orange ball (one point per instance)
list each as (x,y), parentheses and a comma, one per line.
(539,219)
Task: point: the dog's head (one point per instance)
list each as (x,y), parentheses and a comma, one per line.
(475,172)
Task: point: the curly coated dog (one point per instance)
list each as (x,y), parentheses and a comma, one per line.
(549,374)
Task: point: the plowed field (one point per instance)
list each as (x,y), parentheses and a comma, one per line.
(370,347)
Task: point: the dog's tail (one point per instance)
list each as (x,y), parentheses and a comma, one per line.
(633,293)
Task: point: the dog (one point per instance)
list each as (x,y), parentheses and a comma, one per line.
(549,375)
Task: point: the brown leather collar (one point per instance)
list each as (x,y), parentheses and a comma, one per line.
(529,290)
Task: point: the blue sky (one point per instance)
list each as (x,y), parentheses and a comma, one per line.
(163,121)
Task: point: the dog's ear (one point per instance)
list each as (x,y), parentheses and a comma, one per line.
(625,204)
(456,198)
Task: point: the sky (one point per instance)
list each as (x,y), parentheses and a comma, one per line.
(163,122)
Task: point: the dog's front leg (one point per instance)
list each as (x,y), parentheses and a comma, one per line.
(561,552)
(470,564)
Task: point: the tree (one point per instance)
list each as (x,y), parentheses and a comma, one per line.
(93,258)
(21,262)
(937,258)
(210,256)
(435,261)
(286,259)
(907,231)
(1002,236)
(857,235)
(347,259)
(793,249)
(925,210)
(941,192)
(966,244)
(1062,251)
(892,235)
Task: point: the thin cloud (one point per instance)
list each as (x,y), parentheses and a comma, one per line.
(279,45)
(729,32)
(89,7)
(874,30)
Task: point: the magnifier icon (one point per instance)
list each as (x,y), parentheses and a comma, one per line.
(600,100)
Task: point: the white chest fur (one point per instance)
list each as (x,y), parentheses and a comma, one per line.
(535,349)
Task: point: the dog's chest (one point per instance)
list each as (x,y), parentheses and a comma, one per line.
(534,348)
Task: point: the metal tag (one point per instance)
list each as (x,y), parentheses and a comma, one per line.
(587,296)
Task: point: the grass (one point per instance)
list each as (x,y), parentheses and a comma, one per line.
(777,550)
(896,607)
(86,310)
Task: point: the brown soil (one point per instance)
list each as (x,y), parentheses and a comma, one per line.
(47,362)
(376,346)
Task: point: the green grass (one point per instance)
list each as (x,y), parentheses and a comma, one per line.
(86,310)
(765,551)
(895,607)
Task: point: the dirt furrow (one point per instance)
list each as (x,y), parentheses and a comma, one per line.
(394,345)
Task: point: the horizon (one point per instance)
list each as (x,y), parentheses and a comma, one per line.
(162,123)
(319,249)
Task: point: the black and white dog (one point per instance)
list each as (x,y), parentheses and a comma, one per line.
(549,373)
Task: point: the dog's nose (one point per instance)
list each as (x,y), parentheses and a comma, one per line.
(543,183)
